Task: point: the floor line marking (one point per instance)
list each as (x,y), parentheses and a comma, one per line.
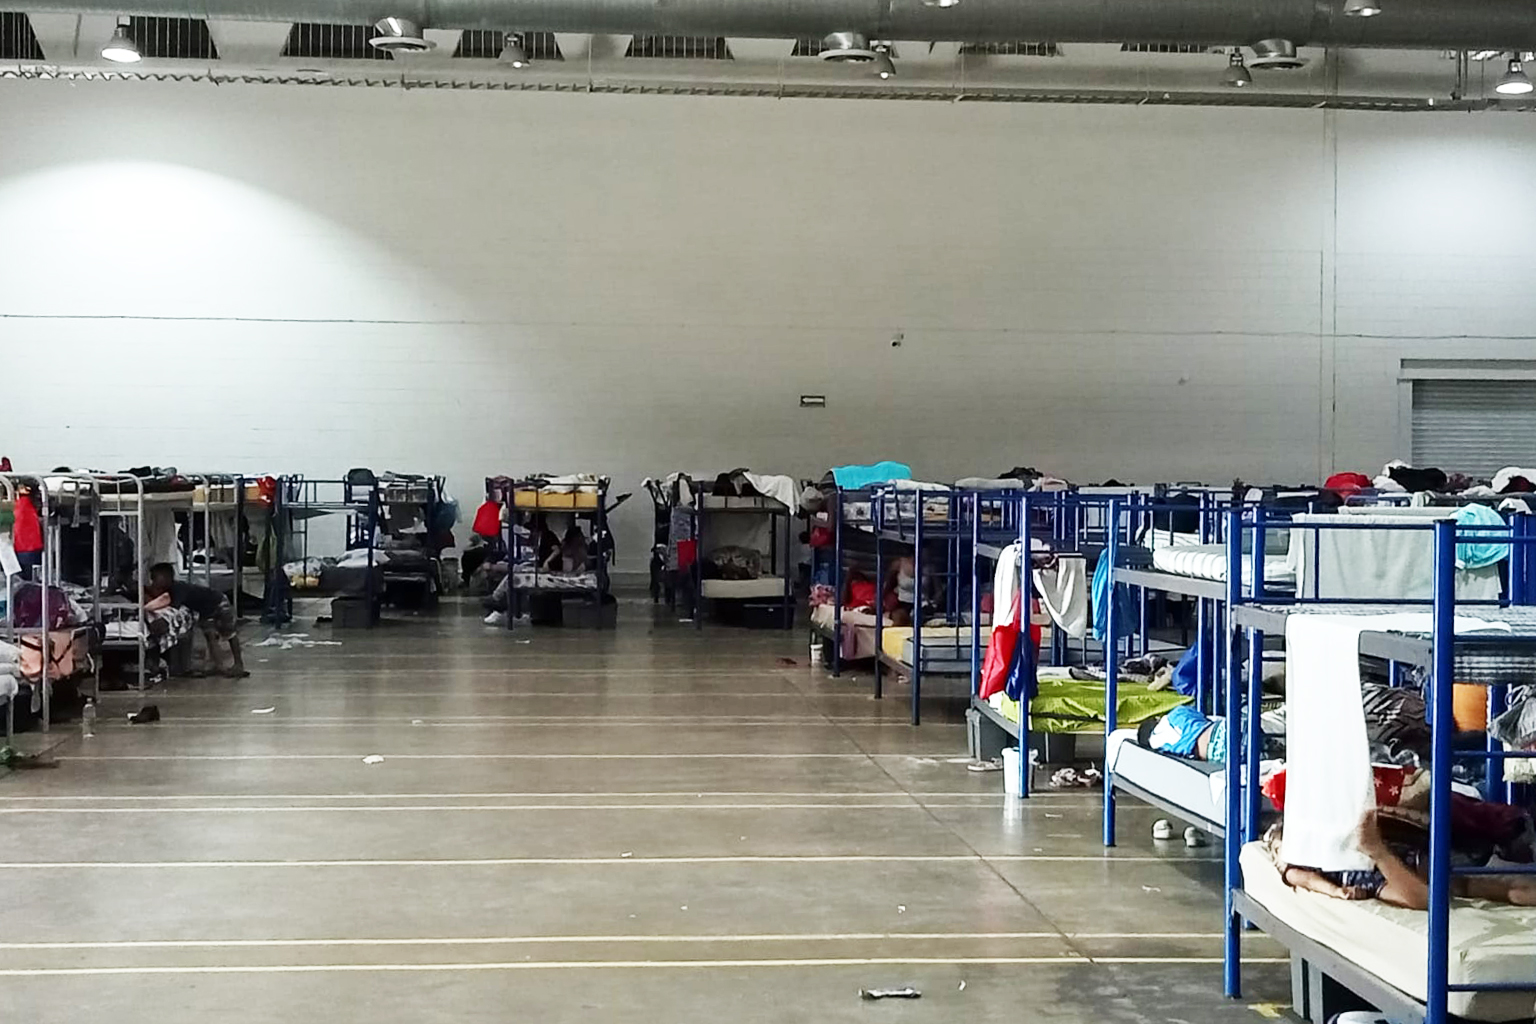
(860,858)
(493,757)
(404,808)
(534,940)
(555,795)
(569,795)
(681,721)
(608,965)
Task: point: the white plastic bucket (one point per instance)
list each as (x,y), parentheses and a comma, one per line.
(1011,771)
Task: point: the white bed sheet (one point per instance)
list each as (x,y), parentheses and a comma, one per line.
(1174,779)
(732,590)
(1209,562)
(1489,942)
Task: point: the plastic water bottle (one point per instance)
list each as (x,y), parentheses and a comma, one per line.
(88,719)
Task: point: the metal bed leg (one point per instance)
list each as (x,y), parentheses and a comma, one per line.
(837,583)
(1232,955)
(1111,668)
(1442,725)
(917,612)
(879,596)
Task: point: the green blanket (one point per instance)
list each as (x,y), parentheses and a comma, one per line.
(1071,705)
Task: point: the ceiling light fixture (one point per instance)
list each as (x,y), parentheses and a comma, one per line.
(1361,8)
(1514,82)
(399,36)
(847,46)
(941,4)
(885,68)
(512,51)
(1237,75)
(121,49)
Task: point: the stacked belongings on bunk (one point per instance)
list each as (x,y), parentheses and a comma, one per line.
(742,548)
(65,644)
(672,549)
(553,545)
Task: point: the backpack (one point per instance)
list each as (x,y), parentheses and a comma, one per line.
(27,607)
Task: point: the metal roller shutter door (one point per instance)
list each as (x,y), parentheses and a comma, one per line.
(1474,426)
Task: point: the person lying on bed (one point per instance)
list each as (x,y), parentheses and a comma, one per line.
(1401,871)
(1185,732)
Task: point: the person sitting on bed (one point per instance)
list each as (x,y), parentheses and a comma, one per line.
(899,594)
(1185,732)
(1400,873)
(215,616)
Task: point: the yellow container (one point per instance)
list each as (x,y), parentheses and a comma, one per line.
(543,499)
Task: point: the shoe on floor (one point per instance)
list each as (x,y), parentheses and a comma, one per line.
(1162,828)
(148,713)
(496,619)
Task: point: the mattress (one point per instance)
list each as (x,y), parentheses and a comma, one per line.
(939,643)
(527,579)
(747,503)
(1489,942)
(1199,787)
(1209,562)
(1077,706)
(736,590)
(858,639)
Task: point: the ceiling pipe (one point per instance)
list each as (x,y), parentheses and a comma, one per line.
(1406,24)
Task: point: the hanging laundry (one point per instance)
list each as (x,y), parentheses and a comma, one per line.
(1009,665)
(1125,606)
(1063,591)
(488,520)
(27,535)
(1486,550)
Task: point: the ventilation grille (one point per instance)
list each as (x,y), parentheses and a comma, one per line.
(486,44)
(679,47)
(173,38)
(17,40)
(333,42)
(1168,48)
(1013,48)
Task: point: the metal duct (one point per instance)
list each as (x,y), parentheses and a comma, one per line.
(1405,24)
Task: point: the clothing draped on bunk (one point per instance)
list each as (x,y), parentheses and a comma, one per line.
(1010,665)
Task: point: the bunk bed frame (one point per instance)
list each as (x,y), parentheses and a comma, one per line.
(300,499)
(1437,653)
(780,554)
(527,498)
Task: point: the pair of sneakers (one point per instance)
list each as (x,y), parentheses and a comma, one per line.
(1162,828)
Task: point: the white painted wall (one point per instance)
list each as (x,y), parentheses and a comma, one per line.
(263,278)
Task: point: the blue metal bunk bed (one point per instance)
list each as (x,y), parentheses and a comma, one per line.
(1448,656)
(1146,579)
(960,518)
(1063,523)
(846,532)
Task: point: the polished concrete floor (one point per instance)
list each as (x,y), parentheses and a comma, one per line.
(649,824)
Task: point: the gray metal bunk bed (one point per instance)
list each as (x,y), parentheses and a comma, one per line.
(528,503)
(766,599)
